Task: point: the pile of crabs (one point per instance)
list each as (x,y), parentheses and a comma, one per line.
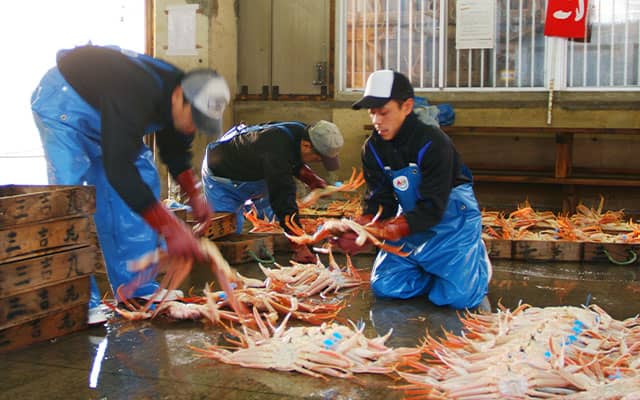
(530,352)
(585,225)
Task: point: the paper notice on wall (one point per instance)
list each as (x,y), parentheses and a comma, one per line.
(475,24)
(182,30)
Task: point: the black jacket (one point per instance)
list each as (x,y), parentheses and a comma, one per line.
(270,154)
(441,169)
(129,99)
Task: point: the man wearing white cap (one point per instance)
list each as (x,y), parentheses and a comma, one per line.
(259,163)
(93,110)
(415,174)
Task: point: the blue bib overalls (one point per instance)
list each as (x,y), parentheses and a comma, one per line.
(226,195)
(70,133)
(448,262)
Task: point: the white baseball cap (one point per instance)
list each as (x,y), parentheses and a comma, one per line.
(208,94)
(382,86)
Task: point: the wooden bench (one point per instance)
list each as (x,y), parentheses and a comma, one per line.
(564,155)
(563,173)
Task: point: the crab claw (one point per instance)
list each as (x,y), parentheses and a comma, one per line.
(291,224)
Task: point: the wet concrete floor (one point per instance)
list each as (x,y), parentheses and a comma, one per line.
(151,359)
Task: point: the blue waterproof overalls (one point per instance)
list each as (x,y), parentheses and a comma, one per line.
(70,134)
(226,195)
(448,262)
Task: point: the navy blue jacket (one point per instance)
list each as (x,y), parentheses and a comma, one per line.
(441,169)
(270,154)
(130,100)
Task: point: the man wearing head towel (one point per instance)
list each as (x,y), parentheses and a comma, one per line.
(93,110)
(259,162)
(415,174)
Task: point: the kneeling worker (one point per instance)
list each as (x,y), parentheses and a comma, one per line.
(259,162)
(415,174)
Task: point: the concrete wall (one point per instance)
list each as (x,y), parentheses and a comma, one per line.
(216,43)
(581,110)
(577,109)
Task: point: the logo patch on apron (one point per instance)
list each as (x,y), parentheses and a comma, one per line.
(401,183)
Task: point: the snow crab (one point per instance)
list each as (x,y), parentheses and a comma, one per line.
(320,351)
(262,225)
(531,352)
(276,304)
(354,182)
(333,226)
(205,308)
(177,270)
(265,225)
(304,280)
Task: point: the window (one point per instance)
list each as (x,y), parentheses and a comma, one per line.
(417,37)
(611,58)
(32,33)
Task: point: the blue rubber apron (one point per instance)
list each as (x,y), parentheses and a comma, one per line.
(70,133)
(448,262)
(226,195)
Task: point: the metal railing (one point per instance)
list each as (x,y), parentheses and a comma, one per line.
(411,36)
(611,57)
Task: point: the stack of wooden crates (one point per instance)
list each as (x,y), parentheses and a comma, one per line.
(46,257)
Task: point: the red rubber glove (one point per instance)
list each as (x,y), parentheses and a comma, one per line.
(390,229)
(302,254)
(310,178)
(180,240)
(347,243)
(192,188)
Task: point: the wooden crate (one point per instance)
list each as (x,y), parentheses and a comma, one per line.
(320,213)
(615,253)
(238,249)
(543,250)
(23,239)
(222,224)
(181,213)
(499,248)
(27,306)
(100,268)
(49,326)
(48,249)
(280,243)
(34,272)
(20,204)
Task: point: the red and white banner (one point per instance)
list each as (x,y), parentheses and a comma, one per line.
(566,18)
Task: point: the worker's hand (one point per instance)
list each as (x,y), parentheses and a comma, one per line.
(199,207)
(302,254)
(180,241)
(310,178)
(390,229)
(347,243)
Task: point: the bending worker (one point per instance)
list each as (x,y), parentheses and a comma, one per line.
(93,110)
(259,162)
(415,174)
